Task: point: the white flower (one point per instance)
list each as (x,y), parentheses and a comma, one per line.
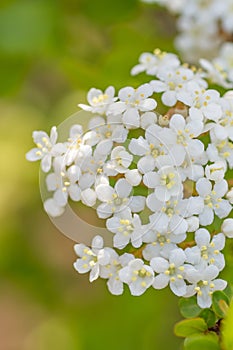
(226,16)
(192,168)
(224,128)
(180,138)
(197,38)
(93,168)
(216,171)
(46,148)
(215,73)
(170,272)
(79,145)
(220,151)
(229,195)
(149,149)
(126,228)
(99,101)
(114,199)
(131,102)
(213,201)
(172,82)
(153,63)
(91,259)
(207,251)
(203,283)
(64,183)
(133,177)
(205,104)
(193,223)
(147,62)
(147,119)
(160,238)
(158,187)
(176,211)
(112,130)
(138,276)
(111,271)
(121,159)
(117,199)
(88,197)
(166,182)
(224,58)
(52,208)
(227,228)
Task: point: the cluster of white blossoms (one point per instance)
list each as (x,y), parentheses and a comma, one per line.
(156,175)
(205,30)
(220,69)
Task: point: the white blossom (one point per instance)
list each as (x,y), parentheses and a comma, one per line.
(206,250)
(204,283)
(112,269)
(113,200)
(153,63)
(213,201)
(229,195)
(91,259)
(166,182)
(46,148)
(132,101)
(121,159)
(64,183)
(160,239)
(138,276)
(170,272)
(172,82)
(52,208)
(216,171)
(227,228)
(99,101)
(159,185)
(127,227)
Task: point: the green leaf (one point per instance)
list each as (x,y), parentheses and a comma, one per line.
(190,327)
(202,342)
(226,327)
(229,292)
(27,27)
(189,308)
(209,317)
(100,11)
(220,303)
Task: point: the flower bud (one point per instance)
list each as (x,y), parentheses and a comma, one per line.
(229,195)
(227,228)
(193,223)
(215,171)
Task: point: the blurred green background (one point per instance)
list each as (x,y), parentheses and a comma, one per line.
(51,54)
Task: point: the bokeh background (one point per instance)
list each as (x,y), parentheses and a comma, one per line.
(51,53)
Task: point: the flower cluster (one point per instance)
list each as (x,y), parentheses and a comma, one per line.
(156,175)
(220,69)
(205,27)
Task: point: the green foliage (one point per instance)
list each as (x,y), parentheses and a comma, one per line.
(188,307)
(108,13)
(202,342)
(190,327)
(209,316)
(220,303)
(228,291)
(227,334)
(212,328)
(21,29)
